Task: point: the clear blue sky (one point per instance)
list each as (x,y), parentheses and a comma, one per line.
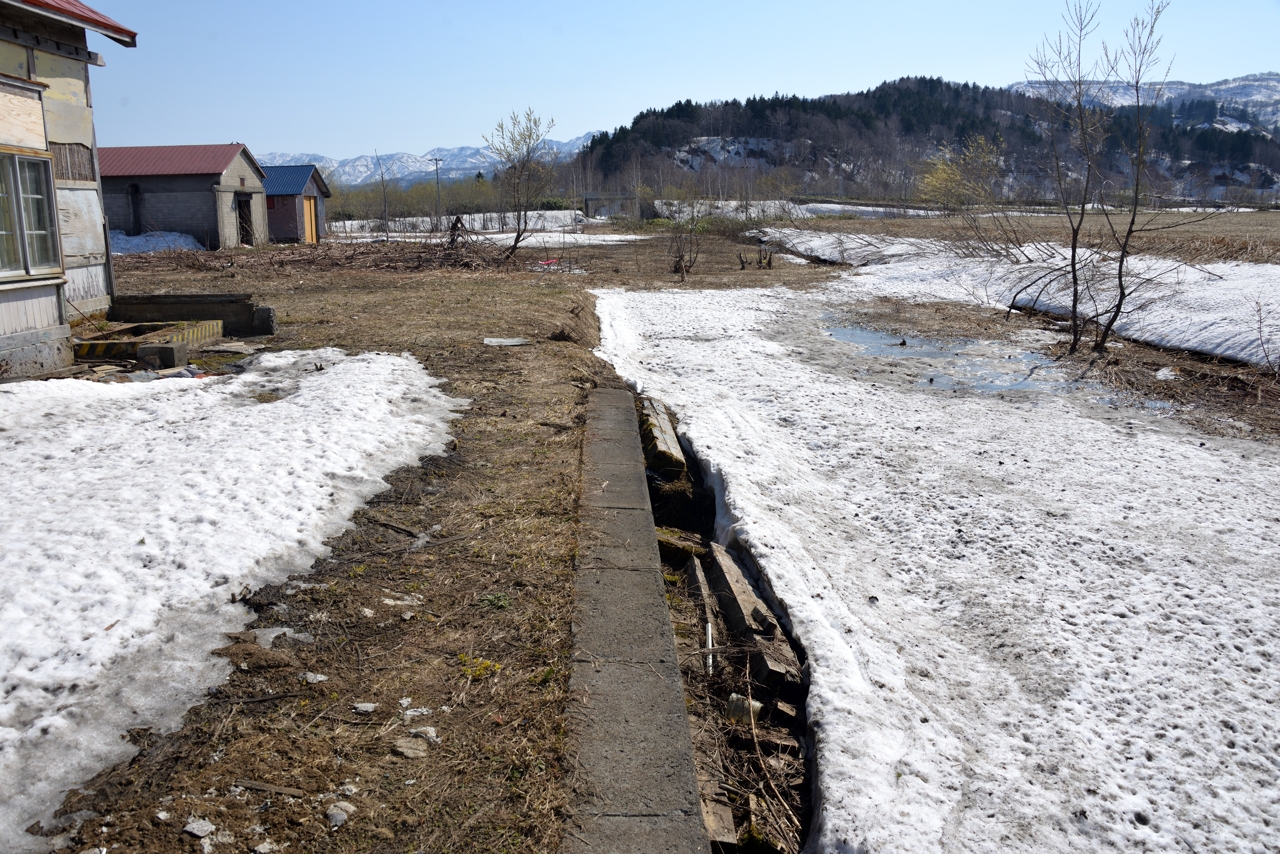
(342,78)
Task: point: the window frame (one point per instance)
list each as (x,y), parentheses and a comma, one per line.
(10,157)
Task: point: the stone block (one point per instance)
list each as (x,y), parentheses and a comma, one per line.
(163,355)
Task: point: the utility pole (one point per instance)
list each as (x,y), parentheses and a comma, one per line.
(437,161)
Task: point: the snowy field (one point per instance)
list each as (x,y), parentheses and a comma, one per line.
(1035,622)
(137,511)
(152,241)
(781,209)
(1209,309)
(535,239)
(483,222)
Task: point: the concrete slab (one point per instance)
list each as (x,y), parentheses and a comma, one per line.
(611,449)
(620,615)
(632,725)
(616,537)
(618,486)
(613,834)
(638,790)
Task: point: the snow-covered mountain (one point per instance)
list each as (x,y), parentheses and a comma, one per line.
(461,162)
(1259,92)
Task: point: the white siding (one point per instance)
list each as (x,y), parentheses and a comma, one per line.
(86,283)
(28,309)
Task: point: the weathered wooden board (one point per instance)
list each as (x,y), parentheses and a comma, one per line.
(66,101)
(80,222)
(13,60)
(744,612)
(21,120)
(662,451)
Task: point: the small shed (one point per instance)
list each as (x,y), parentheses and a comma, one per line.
(295,203)
(214,193)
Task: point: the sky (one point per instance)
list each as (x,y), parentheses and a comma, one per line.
(342,79)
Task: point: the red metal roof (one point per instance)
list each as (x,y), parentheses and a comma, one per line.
(73,11)
(170,160)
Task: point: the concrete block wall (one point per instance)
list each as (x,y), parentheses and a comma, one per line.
(180,203)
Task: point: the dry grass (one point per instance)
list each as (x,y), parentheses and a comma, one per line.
(489,637)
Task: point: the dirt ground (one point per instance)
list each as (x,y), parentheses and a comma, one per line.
(476,627)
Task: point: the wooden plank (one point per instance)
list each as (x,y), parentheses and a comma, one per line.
(21,121)
(309,214)
(678,544)
(662,450)
(80,225)
(744,612)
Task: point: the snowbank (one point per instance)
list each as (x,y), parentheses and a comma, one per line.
(1210,309)
(485,222)
(780,209)
(136,513)
(152,241)
(1034,623)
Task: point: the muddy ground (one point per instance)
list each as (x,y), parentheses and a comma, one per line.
(475,628)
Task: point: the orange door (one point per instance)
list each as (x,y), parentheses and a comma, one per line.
(309,215)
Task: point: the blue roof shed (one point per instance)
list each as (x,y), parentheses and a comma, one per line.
(295,203)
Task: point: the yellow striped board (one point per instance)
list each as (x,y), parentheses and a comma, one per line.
(189,332)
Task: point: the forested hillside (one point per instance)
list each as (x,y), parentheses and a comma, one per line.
(871,144)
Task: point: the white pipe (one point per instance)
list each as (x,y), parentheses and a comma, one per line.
(710,646)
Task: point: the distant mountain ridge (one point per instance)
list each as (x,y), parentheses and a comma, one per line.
(1260,93)
(462,162)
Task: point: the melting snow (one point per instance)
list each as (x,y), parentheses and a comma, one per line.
(1210,309)
(152,241)
(138,511)
(1034,623)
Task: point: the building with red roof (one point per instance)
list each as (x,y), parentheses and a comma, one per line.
(214,193)
(55,270)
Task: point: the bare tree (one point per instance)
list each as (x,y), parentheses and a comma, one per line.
(685,234)
(1135,64)
(1075,128)
(526,166)
(382,185)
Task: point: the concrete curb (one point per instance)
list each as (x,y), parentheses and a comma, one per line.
(627,712)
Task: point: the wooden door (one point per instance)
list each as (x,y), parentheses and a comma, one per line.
(309,216)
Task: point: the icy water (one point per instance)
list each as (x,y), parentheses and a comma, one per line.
(947,365)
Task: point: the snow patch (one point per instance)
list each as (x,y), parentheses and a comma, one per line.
(153,241)
(138,512)
(1034,624)
(1209,309)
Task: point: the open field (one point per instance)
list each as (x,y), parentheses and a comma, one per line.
(490,639)
(1252,236)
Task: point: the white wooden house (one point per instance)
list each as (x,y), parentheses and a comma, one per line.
(54,262)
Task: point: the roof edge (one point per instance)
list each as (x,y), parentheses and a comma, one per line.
(105,26)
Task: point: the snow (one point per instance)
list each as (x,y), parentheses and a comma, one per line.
(1210,309)
(779,209)
(1072,644)
(455,163)
(138,511)
(152,241)
(484,222)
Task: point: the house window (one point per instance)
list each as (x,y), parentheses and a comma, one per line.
(271,203)
(28,231)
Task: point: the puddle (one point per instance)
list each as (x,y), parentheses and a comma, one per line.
(948,365)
